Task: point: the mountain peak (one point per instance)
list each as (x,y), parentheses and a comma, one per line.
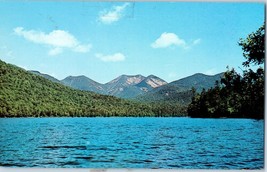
(82,82)
(78,76)
(151,76)
(138,75)
(151,82)
(199,74)
(198,80)
(127,80)
(207,75)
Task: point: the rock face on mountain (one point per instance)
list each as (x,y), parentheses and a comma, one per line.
(129,86)
(122,83)
(84,83)
(151,82)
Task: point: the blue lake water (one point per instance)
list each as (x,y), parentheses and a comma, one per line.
(176,143)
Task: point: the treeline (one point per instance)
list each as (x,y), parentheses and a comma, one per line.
(236,96)
(23,94)
(175,103)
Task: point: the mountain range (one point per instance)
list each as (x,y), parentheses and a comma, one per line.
(124,86)
(31,94)
(139,87)
(180,91)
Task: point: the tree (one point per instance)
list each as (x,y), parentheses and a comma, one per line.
(254,47)
(239,96)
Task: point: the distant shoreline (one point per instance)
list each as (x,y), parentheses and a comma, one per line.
(130,117)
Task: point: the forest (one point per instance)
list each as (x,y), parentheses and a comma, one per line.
(23,94)
(236,95)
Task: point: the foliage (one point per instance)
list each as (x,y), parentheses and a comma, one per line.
(254,47)
(167,93)
(237,96)
(23,94)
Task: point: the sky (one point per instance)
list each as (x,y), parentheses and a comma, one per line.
(103,40)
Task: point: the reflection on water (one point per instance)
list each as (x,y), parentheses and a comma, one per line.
(132,143)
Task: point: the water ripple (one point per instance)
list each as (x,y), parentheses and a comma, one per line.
(64,147)
(132,143)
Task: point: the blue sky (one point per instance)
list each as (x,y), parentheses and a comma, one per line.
(103,40)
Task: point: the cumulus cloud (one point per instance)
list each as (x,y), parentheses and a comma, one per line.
(82,48)
(168,39)
(57,40)
(171,39)
(113,15)
(111,58)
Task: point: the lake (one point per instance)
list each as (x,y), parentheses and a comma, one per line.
(172,143)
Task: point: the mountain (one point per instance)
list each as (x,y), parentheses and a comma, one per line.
(121,82)
(150,88)
(84,83)
(180,91)
(129,86)
(167,94)
(24,94)
(45,76)
(199,81)
(150,83)
(124,86)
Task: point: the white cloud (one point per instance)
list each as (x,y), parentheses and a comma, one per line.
(171,39)
(113,15)
(111,58)
(168,39)
(197,41)
(57,39)
(82,48)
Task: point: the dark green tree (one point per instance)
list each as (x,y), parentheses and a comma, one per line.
(238,96)
(254,47)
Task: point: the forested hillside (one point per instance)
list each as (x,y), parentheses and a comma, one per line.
(23,94)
